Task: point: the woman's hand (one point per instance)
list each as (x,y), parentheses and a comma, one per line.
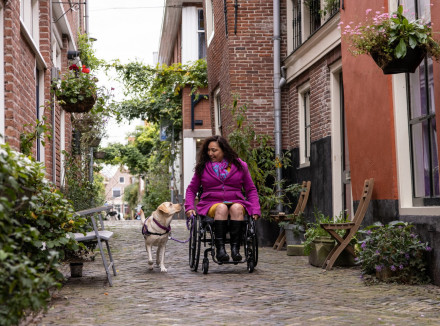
(255,217)
(190,212)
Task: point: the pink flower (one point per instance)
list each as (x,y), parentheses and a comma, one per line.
(368,11)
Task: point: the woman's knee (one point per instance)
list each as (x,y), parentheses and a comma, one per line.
(221,212)
(236,212)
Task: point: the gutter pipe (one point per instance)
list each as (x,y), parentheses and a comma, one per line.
(277,93)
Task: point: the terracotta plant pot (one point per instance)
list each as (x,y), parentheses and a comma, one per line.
(409,63)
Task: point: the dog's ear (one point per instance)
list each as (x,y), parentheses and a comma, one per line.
(163,208)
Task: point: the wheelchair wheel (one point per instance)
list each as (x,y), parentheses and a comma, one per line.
(205,265)
(251,245)
(194,244)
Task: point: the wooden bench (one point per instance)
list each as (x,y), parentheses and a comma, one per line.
(100,235)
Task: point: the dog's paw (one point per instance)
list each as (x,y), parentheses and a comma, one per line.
(150,262)
(163,269)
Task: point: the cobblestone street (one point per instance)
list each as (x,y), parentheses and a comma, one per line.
(283,290)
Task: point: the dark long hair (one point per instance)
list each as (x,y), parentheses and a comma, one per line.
(228,153)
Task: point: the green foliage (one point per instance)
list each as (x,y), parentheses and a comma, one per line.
(396,248)
(257,152)
(77,186)
(35,226)
(27,139)
(388,36)
(155,93)
(157,188)
(87,53)
(131,194)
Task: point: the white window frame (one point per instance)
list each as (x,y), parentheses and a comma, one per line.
(200,31)
(2,78)
(29,15)
(41,112)
(304,138)
(217,113)
(209,21)
(403,152)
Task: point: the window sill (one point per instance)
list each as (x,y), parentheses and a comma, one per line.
(304,165)
(27,35)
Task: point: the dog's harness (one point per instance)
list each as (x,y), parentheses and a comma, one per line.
(146,233)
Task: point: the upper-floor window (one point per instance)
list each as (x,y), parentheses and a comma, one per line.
(121,179)
(116,192)
(209,20)
(201,33)
(29,15)
(308,16)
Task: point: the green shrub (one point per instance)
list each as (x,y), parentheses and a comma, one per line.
(396,248)
(35,226)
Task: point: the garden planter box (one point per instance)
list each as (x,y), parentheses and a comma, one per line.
(320,249)
(295,250)
(293,236)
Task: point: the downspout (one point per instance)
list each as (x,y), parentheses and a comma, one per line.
(54,149)
(277,94)
(86,16)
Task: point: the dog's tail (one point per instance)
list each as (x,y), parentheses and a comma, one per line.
(142,216)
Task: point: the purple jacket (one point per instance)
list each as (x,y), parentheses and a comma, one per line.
(218,191)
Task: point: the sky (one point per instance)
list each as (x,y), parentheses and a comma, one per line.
(127,30)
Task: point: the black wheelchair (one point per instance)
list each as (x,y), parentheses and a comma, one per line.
(202,233)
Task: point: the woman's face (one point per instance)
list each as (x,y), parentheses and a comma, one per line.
(215,153)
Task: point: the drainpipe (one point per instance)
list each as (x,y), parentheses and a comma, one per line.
(86,16)
(277,92)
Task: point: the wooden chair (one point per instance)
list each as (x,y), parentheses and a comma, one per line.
(100,235)
(302,202)
(343,243)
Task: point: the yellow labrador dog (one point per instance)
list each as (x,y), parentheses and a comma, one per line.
(156,229)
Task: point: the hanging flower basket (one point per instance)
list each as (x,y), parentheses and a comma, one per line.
(408,63)
(80,106)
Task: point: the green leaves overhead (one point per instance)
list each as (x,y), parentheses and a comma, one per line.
(154,94)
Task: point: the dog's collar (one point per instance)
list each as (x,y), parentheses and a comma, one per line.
(146,232)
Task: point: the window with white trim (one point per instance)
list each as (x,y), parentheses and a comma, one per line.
(304,124)
(29,15)
(116,191)
(422,122)
(209,10)
(201,34)
(306,17)
(217,113)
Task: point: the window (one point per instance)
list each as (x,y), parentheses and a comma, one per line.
(217,113)
(209,20)
(422,123)
(201,34)
(116,192)
(121,179)
(304,124)
(307,17)
(29,15)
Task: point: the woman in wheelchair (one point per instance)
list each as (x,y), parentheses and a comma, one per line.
(222,176)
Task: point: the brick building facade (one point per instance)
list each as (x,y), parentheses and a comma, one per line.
(342,119)
(35,36)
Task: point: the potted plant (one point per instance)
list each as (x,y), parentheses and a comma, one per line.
(318,243)
(395,43)
(394,253)
(294,227)
(77,89)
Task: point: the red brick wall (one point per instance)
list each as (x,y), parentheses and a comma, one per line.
(320,112)
(201,110)
(20,79)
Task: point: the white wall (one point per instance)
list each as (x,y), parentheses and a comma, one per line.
(189,161)
(190,43)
